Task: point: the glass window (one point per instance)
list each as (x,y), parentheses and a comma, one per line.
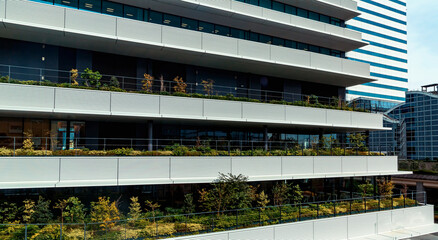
(303,46)
(335,53)
(335,21)
(155,17)
(254,37)
(314,16)
(253,2)
(206,27)
(265,3)
(222,30)
(265,39)
(70,3)
(291,44)
(325,51)
(236,33)
(171,20)
(314,49)
(91,5)
(278,6)
(290,10)
(278,41)
(115,9)
(189,24)
(324,18)
(133,13)
(302,12)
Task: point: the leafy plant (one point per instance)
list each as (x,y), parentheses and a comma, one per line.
(104,211)
(385,187)
(147,82)
(28,209)
(73,76)
(358,141)
(180,86)
(114,82)
(8,212)
(42,212)
(366,189)
(208,86)
(189,206)
(92,79)
(134,209)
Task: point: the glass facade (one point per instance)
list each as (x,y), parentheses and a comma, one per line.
(417,130)
(148,15)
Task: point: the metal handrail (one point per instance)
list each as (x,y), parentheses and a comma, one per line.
(41,76)
(243,218)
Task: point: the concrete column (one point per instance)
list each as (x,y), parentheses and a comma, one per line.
(420,192)
(150,135)
(265,137)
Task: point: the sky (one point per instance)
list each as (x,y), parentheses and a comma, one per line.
(422,42)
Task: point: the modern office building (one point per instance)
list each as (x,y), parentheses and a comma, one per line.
(233,75)
(415,122)
(383,24)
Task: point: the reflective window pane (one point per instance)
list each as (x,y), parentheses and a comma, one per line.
(278,41)
(155,17)
(90,5)
(290,10)
(171,20)
(115,9)
(302,12)
(278,6)
(206,27)
(314,16)
(70,3)
(189,24)
(237,33)
(222,30)
(133,13)
(265,39)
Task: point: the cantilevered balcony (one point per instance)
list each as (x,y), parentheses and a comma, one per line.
(60,26)
(265,20)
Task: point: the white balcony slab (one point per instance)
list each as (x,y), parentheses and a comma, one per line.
(352,227)
(51,101)
(30,172)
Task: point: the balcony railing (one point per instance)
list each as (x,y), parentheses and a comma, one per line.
(161,226)
(80,146)
(207,89)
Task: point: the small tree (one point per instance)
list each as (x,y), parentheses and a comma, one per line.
(227,192)
(42,212)
(104,211)
(180,86)
(148,82)
(74,211)
(114,82)
(208,86)
(8,212)
(386,187)
(28,209)
(28,141)
(189,206)
(358,141)
(134,209)
(73,76)
(262,200)
(152,207)
(280,193)
(92,79)
(296,195)
(61,205)
(366,189)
